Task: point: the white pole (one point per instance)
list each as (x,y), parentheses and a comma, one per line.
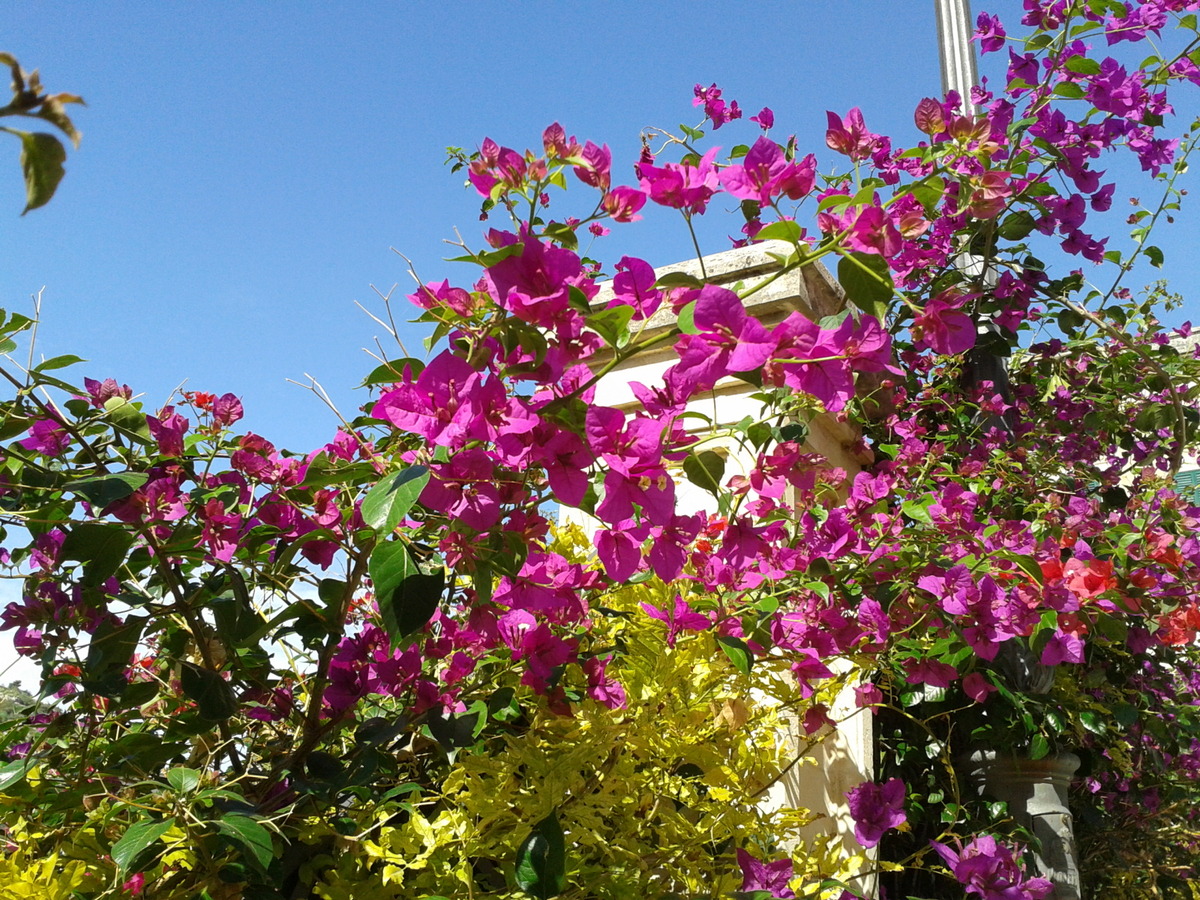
(955,25)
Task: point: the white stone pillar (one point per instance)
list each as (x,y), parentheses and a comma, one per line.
(845,758)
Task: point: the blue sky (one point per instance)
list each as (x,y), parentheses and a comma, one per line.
(246,167)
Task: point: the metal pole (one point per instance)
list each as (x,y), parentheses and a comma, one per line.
(959,73)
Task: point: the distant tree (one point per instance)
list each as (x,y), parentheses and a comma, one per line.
(15,702)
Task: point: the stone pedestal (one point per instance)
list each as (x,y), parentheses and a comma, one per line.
(1036,794)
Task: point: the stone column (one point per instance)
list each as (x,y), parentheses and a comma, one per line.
(1036,793)
(846,758)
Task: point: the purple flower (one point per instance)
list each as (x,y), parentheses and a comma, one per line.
(765,119)
(867,696)
(601,687)
(100,392)
(227,409)
(439,405)
(168,428)
(977,687)
(716,109)
(990,32)
(850,135)
(633,285)
(619,551)
(623,202)
(990,870)
(876,808)
(929,671)
(943,327)
(598,171)
(772,877)
(680,617)
(765,172)
(680,185)
(1062,647)
(47,437)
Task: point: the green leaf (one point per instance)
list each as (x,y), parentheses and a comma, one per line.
(323,472)
(542,860)
(783,230)
(454,732)
(254,839)
(128,417)
(183,780)
(869,290)
(389,565)
(391,499)
(1039,747)
(412,604)
(137,838)
(705,470)
(1029,566)
(686,320)
(929,192)
(1017,225)
(678,279)
(101,490)
(1069,90)
(918,510)
(831,200)
(212,693)
(1125,714)
(58,362)
(13,772)
(738,652)
(100,547)
(16,323)
(330,591)
(481,579)
(1090,719)
(109,652)
(561,234)
(612,324)
(1154,254)
(1083,65)
(42,158)
(1069,321)
(53,112)
(393,371)
(406,596)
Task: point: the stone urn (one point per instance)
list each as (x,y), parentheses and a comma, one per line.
(1036,793)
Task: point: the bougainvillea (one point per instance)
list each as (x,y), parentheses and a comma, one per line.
(373,669)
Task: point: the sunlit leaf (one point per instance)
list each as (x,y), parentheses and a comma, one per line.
(42,158)
(391,499)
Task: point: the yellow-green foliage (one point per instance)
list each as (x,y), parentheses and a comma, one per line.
(654,799)
(25,875)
